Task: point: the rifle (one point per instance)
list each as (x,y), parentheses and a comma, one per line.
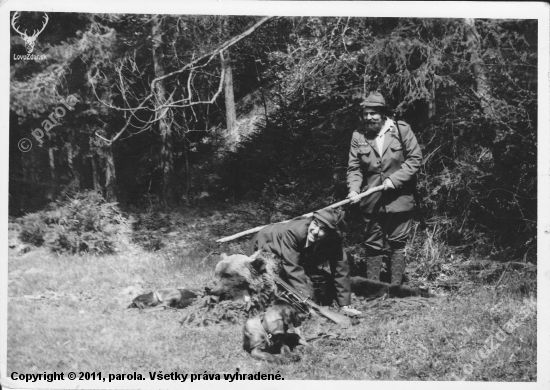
(297,300)
(416,195)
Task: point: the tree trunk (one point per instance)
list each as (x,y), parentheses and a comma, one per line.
(26,168)
(94,173)
(230,111)
(187,171)
(167,153)
(51,195)
(233,136)
(483,87)
(264,100)
(110,173)
(70,155)
(431,101)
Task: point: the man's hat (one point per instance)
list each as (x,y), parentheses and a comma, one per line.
(331,217)
(375,99)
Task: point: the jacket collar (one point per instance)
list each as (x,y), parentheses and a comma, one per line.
(389,126)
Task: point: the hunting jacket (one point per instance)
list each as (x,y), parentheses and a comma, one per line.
(288,241)
(398,161)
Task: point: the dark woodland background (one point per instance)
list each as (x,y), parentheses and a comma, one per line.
(273,134)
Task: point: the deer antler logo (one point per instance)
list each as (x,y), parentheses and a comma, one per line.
(29,40)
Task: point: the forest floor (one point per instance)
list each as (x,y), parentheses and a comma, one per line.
(67,313)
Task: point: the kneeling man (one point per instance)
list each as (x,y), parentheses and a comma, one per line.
(304,244)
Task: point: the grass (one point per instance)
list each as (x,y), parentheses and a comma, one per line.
(67,313)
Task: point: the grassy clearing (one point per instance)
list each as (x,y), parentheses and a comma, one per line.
(67,313)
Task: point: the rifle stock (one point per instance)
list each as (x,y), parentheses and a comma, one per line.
(294,295)
(416,194)
(331,315)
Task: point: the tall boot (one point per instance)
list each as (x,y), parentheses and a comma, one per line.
(374,264)
(385,272)
(397,267)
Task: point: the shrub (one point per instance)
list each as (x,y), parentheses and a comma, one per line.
(148,228)
(82,223)
(33,229)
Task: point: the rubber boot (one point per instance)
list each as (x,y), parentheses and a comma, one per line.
(397,267)
(374,264)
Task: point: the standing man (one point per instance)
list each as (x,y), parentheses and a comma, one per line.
(304,244)
(386,153)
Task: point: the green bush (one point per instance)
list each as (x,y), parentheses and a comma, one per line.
(82,223)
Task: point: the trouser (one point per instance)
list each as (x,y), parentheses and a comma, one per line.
(386,234)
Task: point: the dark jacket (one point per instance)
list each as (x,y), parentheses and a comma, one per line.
(288,240)
(368,169)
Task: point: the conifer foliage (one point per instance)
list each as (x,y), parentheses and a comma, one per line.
(467,87)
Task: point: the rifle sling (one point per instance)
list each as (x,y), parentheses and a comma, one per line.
(416,195)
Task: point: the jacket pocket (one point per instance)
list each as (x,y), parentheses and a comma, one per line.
(364,150)
(398,152)
(396,147)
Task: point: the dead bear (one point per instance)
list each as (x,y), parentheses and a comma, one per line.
(239,277)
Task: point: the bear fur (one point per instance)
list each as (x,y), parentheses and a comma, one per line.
(238,277)
(244,287)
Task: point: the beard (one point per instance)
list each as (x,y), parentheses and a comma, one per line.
(373,128)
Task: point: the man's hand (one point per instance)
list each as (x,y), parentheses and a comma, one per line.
(350,311)
(388,185)
(351,195)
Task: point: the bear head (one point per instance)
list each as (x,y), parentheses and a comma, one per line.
(239,276)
